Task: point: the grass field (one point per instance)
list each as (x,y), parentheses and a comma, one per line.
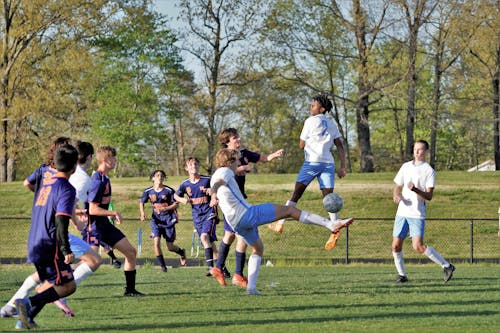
(338,298)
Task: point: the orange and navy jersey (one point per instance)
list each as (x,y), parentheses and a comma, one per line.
(41,175)
(55,196)
(100,193)
(199,193)
(162,198)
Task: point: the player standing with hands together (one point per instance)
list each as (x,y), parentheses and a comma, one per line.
(414,186)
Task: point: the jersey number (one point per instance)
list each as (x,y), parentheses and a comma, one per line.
(43,195)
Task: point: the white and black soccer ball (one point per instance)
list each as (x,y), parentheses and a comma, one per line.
(333,202)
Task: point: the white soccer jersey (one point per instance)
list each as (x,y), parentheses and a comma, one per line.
(423,177)
(318,133)
(231,201)
(81,182)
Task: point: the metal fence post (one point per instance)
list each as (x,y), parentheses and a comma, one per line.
(346,245)
(471,241)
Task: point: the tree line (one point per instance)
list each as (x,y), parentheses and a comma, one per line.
(117,73)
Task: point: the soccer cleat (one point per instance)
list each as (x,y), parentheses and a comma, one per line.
(208,274)
(332,241)
(183,257)
(276,227)
(218,275)
(24,307)
(116,264)
(339,224)
(401,279)
(61,304)
(8,311)
(20,325)
(253,292)
(448,272)
(240,280)
(227,275)
(164,269)
(133,293)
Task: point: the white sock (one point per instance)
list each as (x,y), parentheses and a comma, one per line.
(81,272)
(399,262)
(334,217)
(253,270)
(28,285)
(433,255)
(288,203)
(310,218)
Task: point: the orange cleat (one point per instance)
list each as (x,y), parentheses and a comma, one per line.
(276,227)
(218,275)
(240,280)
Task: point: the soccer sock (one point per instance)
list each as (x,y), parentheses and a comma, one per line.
(253,270)
(288,203)
(111,254)
(399,262)
(433,255)
(180,251)
(28,285)
(223,252)
(239,262)
(130,280)
(81,272)
(310,218)
(161,260)
(209,256)
(39,300)
(333,217)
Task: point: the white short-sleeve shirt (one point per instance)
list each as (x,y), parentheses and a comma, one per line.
(81,182)
(231,201)
(423,177)
(318,133)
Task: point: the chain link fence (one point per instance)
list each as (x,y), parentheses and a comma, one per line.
(367,240)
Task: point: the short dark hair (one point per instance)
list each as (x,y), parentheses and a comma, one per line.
(155,172)
(85,149)
(324,101)
(65,158)
(425,143)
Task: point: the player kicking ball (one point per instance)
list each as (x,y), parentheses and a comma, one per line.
(245,218)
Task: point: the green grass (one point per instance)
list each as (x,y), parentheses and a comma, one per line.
(338,298)
(368,198)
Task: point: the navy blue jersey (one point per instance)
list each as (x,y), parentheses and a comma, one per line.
(246,157)
(56,196)
(198,192)
(100,193)
(162,198)
(39,176)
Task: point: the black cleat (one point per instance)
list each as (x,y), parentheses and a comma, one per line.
(226,273)
(116,264)
(164,269)
(133,293)
(401,279)
(448,272)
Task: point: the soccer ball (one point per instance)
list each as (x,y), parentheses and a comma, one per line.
(333,202)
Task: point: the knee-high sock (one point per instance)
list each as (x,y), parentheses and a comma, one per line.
(28,285)
(223,252)
(81,272)
(253,270)
(240,262)
(310,218)
(433,255)
(399,262)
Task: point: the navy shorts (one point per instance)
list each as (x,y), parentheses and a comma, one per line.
(159,230)
(102,232)
(56,272)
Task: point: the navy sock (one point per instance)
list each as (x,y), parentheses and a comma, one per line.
(209,256)
(38,301)
(223,252)
(240,262)
(161,260)
(130,280)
